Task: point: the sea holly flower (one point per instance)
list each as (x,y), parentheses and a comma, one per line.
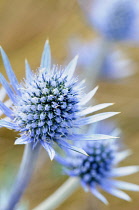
(99,168)
(114,65)
(49,105)
(115,20)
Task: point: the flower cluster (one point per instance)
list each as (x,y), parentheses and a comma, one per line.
(49,105)
(50,108)
(98,169)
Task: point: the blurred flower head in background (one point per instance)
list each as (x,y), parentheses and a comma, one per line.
(116,20)
(99,168)
(114,65)
(49,105)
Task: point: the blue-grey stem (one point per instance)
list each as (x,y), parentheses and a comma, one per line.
(60,195)
(92,74)
(23,176)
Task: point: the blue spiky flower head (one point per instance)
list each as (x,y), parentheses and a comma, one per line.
(48,105)
(116,20)
(100,167)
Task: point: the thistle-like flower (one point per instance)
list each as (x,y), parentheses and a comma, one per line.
(49,105)
(116,20)
(100,167)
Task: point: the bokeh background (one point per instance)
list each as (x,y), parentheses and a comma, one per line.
(24,27)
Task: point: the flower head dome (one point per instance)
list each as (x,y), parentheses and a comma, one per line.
(99,168)
(48,105)
(116,20)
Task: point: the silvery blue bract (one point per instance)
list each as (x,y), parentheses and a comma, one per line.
(116,20)
(48,105)
(99,168)
(8,103)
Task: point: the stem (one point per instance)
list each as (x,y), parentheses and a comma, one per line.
(60,195)
(23,176)
(94,72)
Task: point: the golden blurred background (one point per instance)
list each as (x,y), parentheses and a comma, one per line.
(24,27)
